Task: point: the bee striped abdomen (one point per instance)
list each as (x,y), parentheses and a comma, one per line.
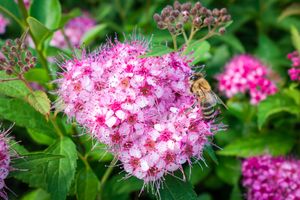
(208,111)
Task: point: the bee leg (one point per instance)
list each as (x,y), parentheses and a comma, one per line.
(192,107)
(194,104)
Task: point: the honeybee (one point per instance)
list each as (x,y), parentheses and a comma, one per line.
(208,100)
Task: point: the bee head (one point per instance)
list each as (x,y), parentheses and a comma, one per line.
(195,76)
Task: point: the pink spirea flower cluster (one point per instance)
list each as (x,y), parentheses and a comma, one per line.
(74,30)
(246,73)
(3,23)
(294,72)
(271,178)
(4,162)
(137,106)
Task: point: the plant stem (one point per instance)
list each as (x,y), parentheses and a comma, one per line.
(107,174)
(43,60)
(193,32)
(66,38)
(56,127)
(21,78)
(174,42)
(184,35)
(10,79)
(83,158)
(23,9)
(210,34)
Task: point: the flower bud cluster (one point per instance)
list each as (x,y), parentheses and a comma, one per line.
(174,18)
(271,178)
(4,162)
(16,59)
(294,72)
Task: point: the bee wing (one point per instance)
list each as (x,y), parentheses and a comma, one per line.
(218,100)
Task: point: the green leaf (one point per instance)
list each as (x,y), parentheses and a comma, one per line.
(213,182)
(92,34)
(39,31)
(227,24)
(268,51)
(273,105)
(60,173)
(38,75)
(295,38)
(38,194)
(29,161)
(211,153)
(24,115)
(197,173)
(293,93)
(15,88)
(47,12)
(229,170)
(116,188)
(175,189)
(157,51)
(40,137)
(205,196)
(95,150)
(241,109)
(259,144)
(86,185)
(234,42)
(16,148)
(40,101)
(32,168)
(220,56)
(236,193)
(10,7)
(68,16)
(198,51)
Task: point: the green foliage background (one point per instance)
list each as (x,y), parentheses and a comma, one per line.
(55,164)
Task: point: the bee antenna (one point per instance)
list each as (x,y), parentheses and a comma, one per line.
(199,68)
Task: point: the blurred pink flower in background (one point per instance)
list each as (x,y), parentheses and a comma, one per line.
(4,162)
(138,107)
(3,23)
(294,72)
(74,30)
(26,2)
(271,178)
(245,73)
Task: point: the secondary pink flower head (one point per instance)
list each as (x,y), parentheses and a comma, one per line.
(271,178)
(294,72)
(75,29)
(3,23)
(246,73)
(4,162)
(137,106)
